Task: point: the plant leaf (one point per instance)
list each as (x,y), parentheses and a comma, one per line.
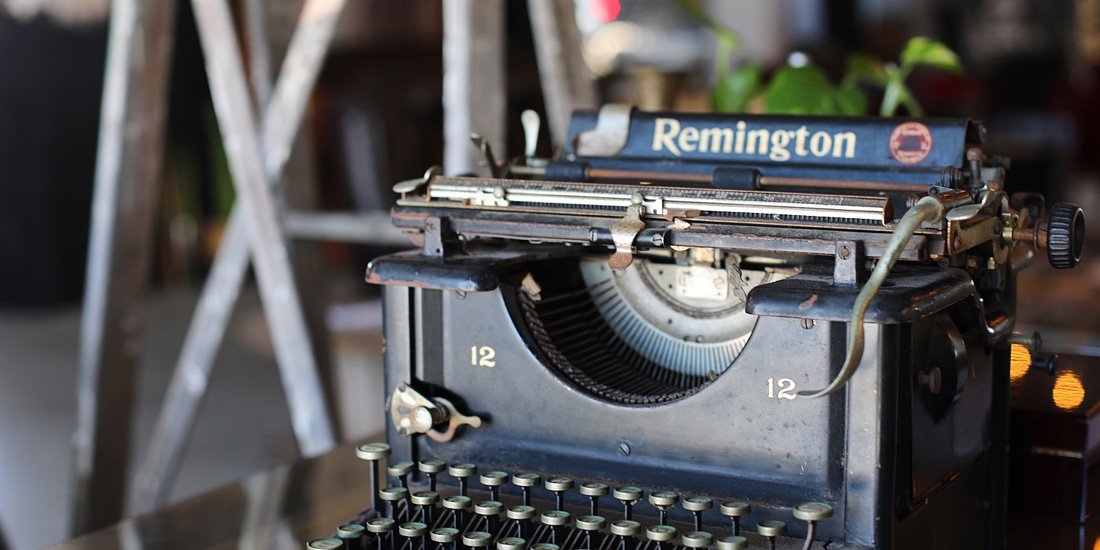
(864,69)
(921,50)
(800,91)
(850,101)
(891,97)
(733,91)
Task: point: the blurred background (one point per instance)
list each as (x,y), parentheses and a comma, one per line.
(1030,70)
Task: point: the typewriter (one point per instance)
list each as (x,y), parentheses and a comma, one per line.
(706,331)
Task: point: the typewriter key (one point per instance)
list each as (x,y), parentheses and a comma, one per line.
(425,500)
(526,480)
(545,546)
(489,509)
(624,528)
(811,513)
(324,544)
(401,471)
(351,532)
(445,536)
(392,496)
(558,486)
(414,531)
(431,467)
(463,473)
(697,505)
(521,514)
(459,504)
(511,543)
(493,480)
(660,534)
(734,509)
(555,519)
(771,528)
(662,501)
(477,539)
(628,496)
(374,452)
(696,539)
(733,542)
(380,525)
(590,524)
(594,491)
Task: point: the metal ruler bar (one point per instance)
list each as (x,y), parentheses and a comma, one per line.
(281,121)
(128,162)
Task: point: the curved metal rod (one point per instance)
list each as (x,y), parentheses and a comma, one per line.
(928,209)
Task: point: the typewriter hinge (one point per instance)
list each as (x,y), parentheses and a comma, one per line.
(623,233)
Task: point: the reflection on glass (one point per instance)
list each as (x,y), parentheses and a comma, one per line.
(1068,393)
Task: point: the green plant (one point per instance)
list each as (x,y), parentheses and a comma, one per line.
(807,90)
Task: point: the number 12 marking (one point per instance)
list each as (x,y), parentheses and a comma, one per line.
(483,356)
(786,388)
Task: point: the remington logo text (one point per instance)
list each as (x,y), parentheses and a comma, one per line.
(777,145)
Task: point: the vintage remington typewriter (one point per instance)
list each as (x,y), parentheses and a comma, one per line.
(724,331)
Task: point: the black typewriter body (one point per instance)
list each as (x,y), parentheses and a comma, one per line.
(660,311)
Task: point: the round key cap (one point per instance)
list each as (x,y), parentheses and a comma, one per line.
(771,528)
(444,535)
(555,518)
(594,489)
(558,484)
(511,543)
(431,466)
(664,498)
(477,539)
(735,508)
(696,539)
(380,525)
(813,511)
(625,528)
(424,498)
(324,544)
(457,502)
(412,529)
(495,478)
(545,546)
(462,470)
(628,493)
(660,533)
(698,503)
(521,512)
(732,542)
(591,523)
(488,508)
(399,469)
(351,530)
(393,494)
(526,479)
(372,451)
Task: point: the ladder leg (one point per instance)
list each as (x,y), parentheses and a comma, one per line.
(128,164)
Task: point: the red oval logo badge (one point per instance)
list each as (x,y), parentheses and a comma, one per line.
(910,142)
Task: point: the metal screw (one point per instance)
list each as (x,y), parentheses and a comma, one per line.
(808,324)
(624,449)
(844,253)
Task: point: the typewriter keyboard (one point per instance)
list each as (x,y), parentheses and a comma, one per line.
(404,517)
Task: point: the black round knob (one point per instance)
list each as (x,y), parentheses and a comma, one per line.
(1065,235)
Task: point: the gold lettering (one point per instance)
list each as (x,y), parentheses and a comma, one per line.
(689,138)
(758,137)
(820,144)
(664,133)
(847,141)
(780,139)
(714,140)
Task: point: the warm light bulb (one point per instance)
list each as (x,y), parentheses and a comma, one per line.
(1068,392)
